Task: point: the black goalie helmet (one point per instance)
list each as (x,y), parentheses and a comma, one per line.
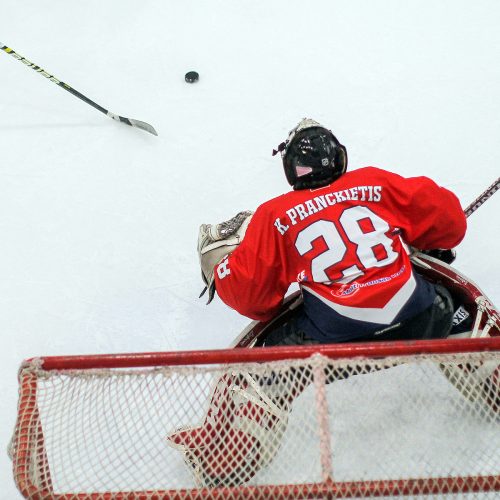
(312,156)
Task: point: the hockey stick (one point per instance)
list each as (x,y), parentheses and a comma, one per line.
(129,121)
(488,193)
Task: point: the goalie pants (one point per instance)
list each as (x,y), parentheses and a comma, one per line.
(432,323)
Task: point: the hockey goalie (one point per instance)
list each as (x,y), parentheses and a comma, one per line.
(344,237)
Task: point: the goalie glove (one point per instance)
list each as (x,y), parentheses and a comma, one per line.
(217,241)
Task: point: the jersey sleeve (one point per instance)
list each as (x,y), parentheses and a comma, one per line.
(432,215)
(252,280)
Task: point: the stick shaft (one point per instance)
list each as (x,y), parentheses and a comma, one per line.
(488,193)
(134,123)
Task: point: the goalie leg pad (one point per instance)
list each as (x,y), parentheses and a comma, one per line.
(241,433)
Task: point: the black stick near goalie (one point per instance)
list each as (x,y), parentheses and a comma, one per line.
(129,121)
(488,193)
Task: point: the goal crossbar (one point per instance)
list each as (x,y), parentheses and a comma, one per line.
(244,355)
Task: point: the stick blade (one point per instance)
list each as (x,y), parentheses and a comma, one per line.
(143,125)
(133,123)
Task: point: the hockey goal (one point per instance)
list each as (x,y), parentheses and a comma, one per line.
(381,419)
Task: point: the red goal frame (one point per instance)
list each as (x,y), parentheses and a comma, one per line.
(25,452)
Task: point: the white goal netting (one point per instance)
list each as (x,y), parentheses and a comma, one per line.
(298,428)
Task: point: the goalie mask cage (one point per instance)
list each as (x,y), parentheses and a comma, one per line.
(346,420)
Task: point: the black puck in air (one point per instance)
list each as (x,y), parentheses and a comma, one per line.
(191,76)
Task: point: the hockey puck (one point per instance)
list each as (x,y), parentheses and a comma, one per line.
(191,76)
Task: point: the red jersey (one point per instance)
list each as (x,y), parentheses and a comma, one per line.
(343,243)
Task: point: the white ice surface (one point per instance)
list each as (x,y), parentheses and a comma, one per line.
(98,221)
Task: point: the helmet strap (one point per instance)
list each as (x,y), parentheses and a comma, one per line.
(281,147)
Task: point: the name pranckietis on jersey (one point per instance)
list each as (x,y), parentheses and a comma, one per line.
(314,205)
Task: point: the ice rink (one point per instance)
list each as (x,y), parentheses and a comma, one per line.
(99,221)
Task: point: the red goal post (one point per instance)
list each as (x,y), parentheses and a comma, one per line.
(378,419)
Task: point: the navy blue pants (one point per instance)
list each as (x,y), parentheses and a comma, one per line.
(433,322)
